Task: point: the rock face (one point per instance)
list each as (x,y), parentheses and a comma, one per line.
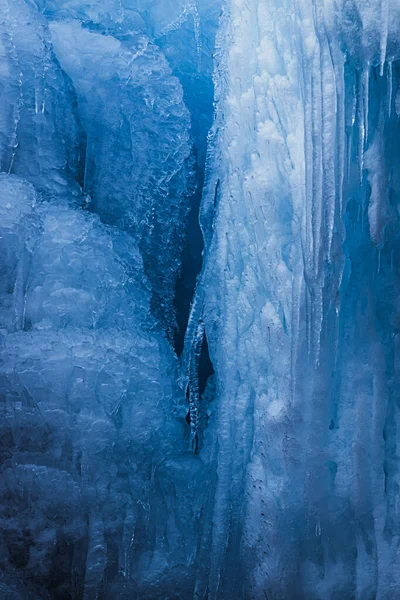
(124,473)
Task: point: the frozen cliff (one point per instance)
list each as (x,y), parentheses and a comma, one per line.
(299,299)
(199,299)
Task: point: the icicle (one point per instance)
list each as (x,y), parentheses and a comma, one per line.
(350,126)
(17,117)
(36,102)
(313,254)
(329,126)
(336,333)
(317,317)
(376,202)
(192,9)
(390,86)
(297,290)
(308,148)
(317,175)
(361,126)
(18,105)
(384,31)
(354,111)
(19,287)
(195,317)
(361,210)
(320,179)
(366,100)
(193,384)
(308,321)
(339,73)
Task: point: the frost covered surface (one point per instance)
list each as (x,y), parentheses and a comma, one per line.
(299,295)
(119,476)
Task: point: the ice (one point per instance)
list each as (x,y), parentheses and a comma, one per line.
(39,128)
(136,177)
(88,388)
(101,494)
(294,296)
(97,120)
(199,327)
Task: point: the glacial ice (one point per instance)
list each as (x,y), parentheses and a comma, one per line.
(241,158)
(88,392)
(298,295)
(39,134)
(94,192)
(140,192)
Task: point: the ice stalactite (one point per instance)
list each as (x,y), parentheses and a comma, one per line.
(300,328)
(385,12)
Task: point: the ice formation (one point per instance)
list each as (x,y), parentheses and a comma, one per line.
(299,298)
(241,158)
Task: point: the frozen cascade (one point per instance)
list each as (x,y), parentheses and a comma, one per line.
(98,492)
(178,175)
(150,190)
(294,295)
(38,134)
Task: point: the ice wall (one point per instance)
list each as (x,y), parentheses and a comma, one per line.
(120,477)
(39,127)
(98,484)
(299,300)
(89,406)
(142,192)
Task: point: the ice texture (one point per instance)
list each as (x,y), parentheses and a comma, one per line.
(39,128)
(124,471)
(140,191)
(135,176)
(97,484)
(90,408)
(299,299)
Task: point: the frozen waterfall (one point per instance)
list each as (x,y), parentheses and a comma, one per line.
(199,299)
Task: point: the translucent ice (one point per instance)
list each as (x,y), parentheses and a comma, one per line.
(88,392)
(95,147)
(39,129)
(124,471)
(298,295)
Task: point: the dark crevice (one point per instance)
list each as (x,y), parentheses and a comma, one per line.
(203,394)
(206,368)
(192,261)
